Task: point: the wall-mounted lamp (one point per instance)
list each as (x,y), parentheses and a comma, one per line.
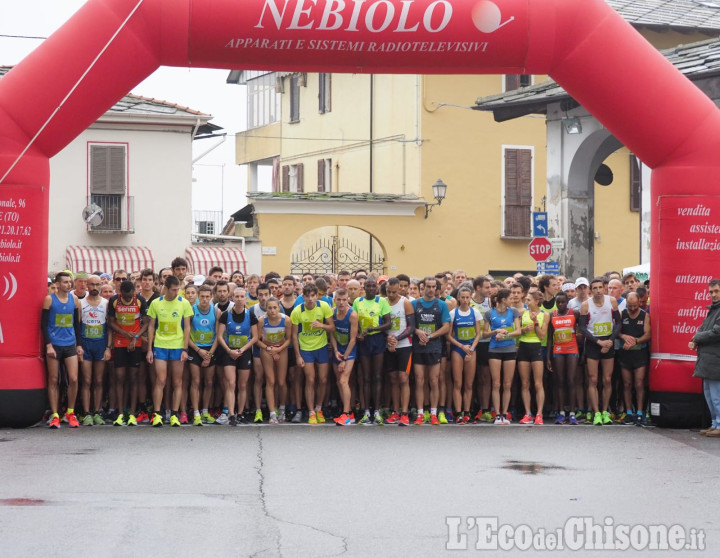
(572,125)
(439,190)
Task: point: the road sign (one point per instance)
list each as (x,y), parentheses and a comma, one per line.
(540,249)
(540,223)
(552,268)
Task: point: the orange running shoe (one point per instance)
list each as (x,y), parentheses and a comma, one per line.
(419,419)
(72,420)
(54,422)
(434,420)
(404,420)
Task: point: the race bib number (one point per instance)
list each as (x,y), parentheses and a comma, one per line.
(562,336)
(366,322)
(63,320)
(466,333)
(93,332)
(602,329)
(342,338)
(237,341)
(275,338)
(395,323)
(126,319)
(427,328)
(202,337)
(168,328)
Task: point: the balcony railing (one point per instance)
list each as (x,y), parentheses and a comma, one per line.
(118,213)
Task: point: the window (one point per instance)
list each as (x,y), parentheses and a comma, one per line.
(511,82)
(324,98)
(108,187)
(517,192)
(263,100)
(324,175)
(635,184)
(292,178)
(206,227)
(295,98)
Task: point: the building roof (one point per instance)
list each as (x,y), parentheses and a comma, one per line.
(695,60)
(700,15)
(335,196)
(137,105)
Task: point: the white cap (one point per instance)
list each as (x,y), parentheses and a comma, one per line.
(199,280)
(581,281)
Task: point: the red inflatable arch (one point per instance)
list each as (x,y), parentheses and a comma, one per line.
(111,45)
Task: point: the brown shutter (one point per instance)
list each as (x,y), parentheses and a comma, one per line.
(107,169)
(299,177)
(635,184)
(276,174)
(518,192)
(286,178)
(321,175)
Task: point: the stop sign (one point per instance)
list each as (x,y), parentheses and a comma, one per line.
(540,249)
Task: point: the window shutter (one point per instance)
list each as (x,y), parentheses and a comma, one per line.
(276,174)
(321,175)
(107,169)
(286,178)
(299,175)
(518,192)
(635,184)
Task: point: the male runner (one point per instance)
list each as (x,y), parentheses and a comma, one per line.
(635,332)
(398,356)
(201,353)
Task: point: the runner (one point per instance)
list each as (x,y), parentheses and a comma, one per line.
(563,355)
(168,340)
(274,332)
(635,332)
(533,324)
(60,322)
(344,351)
(201,354)
(373,319)
(259,310)
(398,355)
(464,338)
(312,322)
(96,350)
(251,285)
(481,301)
(295,372)
(502,326)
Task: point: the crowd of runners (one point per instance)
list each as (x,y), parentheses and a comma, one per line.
(167,347)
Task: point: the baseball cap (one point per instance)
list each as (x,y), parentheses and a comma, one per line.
(82,275)
(382,279)
(581,281)
(199,280)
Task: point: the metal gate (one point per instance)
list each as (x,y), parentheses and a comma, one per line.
(333,254)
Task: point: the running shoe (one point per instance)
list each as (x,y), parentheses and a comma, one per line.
(365,420)
(506,419)
(404,420)
(573,420)
(98,420)
(312,419)
(174,420)
(539,419)
(143,417)
(377,418)
(258,416)
(207,418)
(132,420)
(273,419)
(589,417)
(352,418)
(87,420)
(442,419)
(426,417)
(621,417)
(320,416)
(508,416)
(394,418)
(629,418)
(560,419)
(233,420)
(606,418)
(54,422)
(449,415)
(120,421)
(460,419)
(72,420)
(222,419)
(487,416)
(498,419)
(184,418)
(157,419)
(642,419)
(343,420)
(466,418)
(434,420)
(197,420)
(527,419)
(418,419)
(242,419)
(597,420)
(281,416)
(297,417)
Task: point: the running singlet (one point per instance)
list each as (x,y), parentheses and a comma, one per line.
(600,322)
(370,312)
(169,316)
(250,300)
(429,317)
(60,321)
(94,319)
(398,322)
(127,317)
(311,338)
(505,321)
(482,307)
(274,334)
(237,328)
(342,329)
(202,326)
(634,327)
(564,338)
(463,325)
(531,336)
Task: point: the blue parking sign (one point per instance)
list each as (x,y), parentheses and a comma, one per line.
(540,223)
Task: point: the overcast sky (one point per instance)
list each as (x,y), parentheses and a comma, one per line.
(199,89)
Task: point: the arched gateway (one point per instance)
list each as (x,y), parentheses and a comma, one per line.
(111,45)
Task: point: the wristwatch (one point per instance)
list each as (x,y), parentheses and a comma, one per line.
(137,336)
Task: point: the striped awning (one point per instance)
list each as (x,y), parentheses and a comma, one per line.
(202,258)
(108,258)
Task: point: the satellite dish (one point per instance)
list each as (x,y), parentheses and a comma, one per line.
(93,215)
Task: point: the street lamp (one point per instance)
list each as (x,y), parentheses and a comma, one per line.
(439,190)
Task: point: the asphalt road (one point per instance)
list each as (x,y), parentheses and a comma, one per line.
(297,490)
